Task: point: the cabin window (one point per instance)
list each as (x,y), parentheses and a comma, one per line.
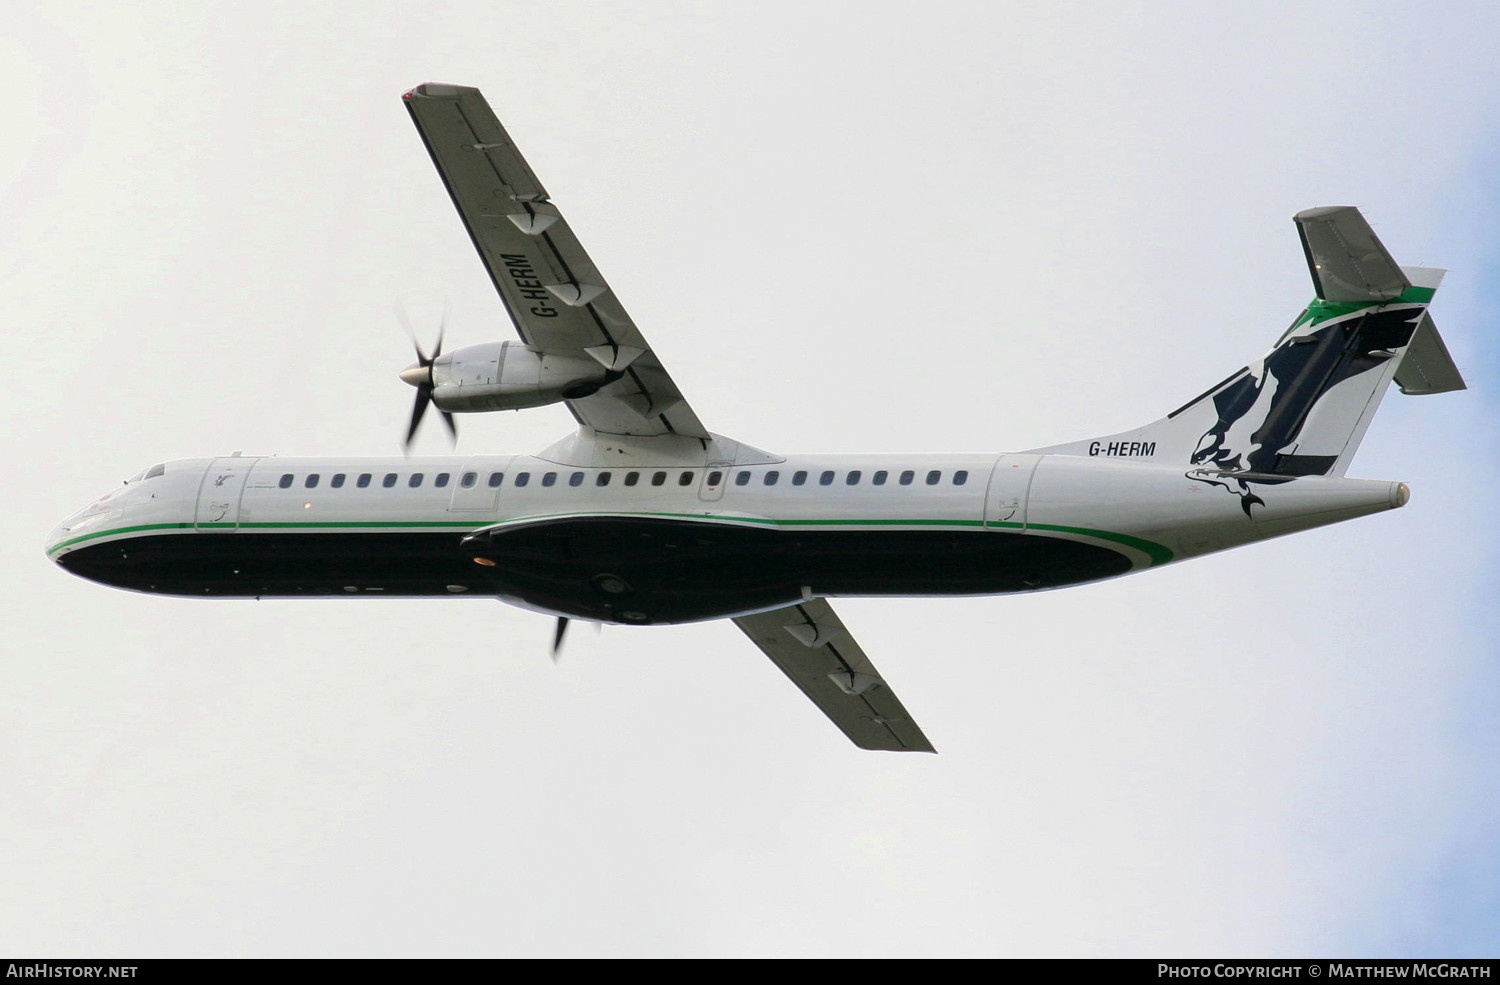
(603,479)
(798,478)
(907,476)
(286,481)
(852,479)
(772,477)
(826,479)
(742,479)
(879,477)
(685,479)
(714,478)
(311,481)
(658,478)
(498,477)
(337,481)
(933,477)
(468,480)
(960,477)
(631,478)
(550,479)
(521,479)
(440,480)
(389,480)
(415,480)
(576,479)
(363,480)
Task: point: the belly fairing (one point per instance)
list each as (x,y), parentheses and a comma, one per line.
(663,570)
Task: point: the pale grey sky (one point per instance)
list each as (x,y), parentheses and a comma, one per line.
(947,227)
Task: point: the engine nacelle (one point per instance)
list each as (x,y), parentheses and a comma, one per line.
(511,376)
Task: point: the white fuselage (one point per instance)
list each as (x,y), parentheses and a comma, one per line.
(697,542)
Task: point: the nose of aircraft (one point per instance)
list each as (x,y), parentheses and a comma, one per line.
(93,518)
(68,543)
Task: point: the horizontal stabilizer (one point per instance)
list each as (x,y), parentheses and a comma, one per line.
(1426,367)
(1347,261)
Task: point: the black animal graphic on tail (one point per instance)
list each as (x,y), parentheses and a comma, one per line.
(1261,413)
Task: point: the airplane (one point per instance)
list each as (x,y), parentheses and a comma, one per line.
(642,516)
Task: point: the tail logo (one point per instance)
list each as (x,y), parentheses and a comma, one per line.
(1260,414)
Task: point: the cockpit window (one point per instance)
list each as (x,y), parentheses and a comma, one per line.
(155,471)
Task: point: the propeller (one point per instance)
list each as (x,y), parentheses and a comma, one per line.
(419,375)
(561,632)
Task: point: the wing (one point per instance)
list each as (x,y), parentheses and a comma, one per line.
(811,646)
(551,288)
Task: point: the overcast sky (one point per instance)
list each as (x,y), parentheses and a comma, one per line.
(877,227)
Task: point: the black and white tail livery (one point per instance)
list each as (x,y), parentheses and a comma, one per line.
(1302,409)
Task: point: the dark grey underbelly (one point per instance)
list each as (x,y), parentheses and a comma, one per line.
(614,569)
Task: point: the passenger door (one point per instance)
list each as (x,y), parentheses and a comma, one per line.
(1010,482)
(219,494)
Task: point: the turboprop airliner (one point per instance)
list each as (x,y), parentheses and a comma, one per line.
(643,516)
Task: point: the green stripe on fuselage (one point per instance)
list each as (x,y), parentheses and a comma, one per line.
(1156,552)
(289,525)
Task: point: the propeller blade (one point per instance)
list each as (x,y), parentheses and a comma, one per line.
(442,330)
(418,408)
(422,359)
(557,636)
(420,376)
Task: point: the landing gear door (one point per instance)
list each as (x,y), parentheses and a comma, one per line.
(1005,503)
(219,494)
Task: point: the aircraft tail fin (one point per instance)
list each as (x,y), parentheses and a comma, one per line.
(1304,407)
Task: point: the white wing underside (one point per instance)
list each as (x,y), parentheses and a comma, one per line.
(555,295)
(812,647)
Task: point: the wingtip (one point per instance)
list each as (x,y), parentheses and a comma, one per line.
(437,90)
